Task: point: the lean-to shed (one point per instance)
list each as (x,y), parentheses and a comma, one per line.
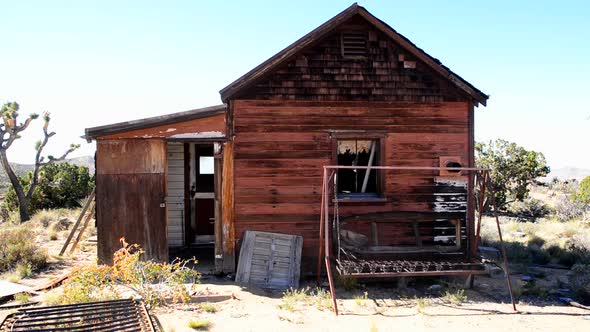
(351,92)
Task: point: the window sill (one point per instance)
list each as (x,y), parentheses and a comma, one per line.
(353,200)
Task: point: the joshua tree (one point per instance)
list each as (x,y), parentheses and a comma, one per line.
(9,132)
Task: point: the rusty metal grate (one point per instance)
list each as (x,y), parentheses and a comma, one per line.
(118,315)
(390,268)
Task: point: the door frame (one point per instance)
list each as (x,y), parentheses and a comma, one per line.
(217,191)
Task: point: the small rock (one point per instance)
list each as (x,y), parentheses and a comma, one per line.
(489,253)
(435,288)
(495,272)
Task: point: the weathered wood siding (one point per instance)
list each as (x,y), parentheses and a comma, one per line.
(131,187)
(387,73)
(281,146)
(175,198)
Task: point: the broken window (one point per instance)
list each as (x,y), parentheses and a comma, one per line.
(358,183)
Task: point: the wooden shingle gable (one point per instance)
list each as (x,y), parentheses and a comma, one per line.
(354,23)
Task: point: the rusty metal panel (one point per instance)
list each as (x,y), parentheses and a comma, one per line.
(130,156)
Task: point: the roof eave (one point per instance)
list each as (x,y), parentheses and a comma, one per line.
(121,127)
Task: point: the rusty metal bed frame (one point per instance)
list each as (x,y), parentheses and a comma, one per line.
(348,265)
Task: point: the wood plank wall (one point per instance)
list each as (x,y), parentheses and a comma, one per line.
(175,198)
(130,182)
(281,146)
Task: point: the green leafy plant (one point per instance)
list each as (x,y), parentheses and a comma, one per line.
(22,297)
(422,304)
(454,297)
(200,324)
(360,299)
(582,195)
(60,185)
(208,307)
(10,131)
(512,169)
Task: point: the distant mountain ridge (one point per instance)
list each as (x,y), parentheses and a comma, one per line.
(567,173)
(22,169)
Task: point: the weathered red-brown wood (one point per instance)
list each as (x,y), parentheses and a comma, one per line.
(130,196)
(210,124)
(227,208)
(281,146)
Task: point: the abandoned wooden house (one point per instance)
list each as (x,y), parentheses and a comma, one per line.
(353,92)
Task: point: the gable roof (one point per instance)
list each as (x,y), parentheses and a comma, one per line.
(121,127)
(323,30)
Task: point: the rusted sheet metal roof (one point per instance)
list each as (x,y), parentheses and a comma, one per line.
(320,32)
(121,127)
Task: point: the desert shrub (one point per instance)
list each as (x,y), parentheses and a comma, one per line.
(567,208)
(88,283)
(60,186)
(513,169)
(19,249)
(154,282)
(348,283)
(579,279)
(517,252)
(199,324)
(539,256)
(530,207)
(582,195)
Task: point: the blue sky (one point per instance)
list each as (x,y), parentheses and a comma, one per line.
(98,62)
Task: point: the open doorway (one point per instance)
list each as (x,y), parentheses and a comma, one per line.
(194,175)
(202,196)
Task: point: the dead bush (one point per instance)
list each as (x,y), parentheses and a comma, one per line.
(530,208)
(18,248)
(154,282)
(568,209)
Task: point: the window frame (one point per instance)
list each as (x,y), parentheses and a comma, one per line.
(362,135)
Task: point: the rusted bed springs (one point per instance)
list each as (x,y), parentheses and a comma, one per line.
(347,267)
(373,267)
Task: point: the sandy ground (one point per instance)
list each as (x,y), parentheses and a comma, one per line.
(385,307)
(259,311)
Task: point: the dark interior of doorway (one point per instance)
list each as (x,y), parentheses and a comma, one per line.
(199,205)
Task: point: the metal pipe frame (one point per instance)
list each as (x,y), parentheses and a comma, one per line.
(324,223)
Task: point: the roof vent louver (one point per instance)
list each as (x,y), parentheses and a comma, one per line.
(353,44)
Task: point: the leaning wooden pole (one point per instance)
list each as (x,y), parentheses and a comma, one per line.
(83,229)
(321,228)
(502,247)
(82,214)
